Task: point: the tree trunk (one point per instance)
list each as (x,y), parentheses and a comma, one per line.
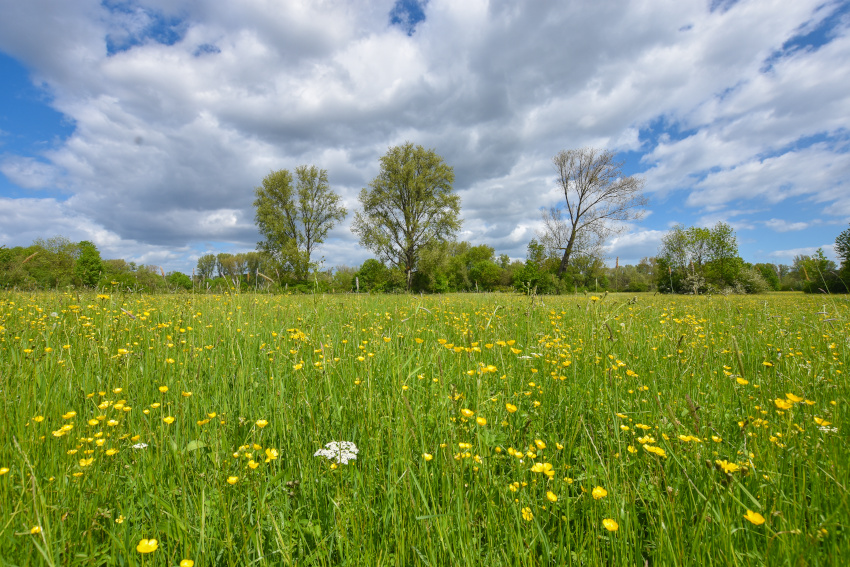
(565,261)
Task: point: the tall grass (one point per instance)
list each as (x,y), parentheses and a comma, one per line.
(689,413)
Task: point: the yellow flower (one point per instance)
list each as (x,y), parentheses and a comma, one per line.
(467,412)
(610,525)
(35,530)
(232,479)
(86,462)
(551,496)
(754,518)
(793,398)
(782,404)
(427,456)
(598,493)
(186,394)
(262,423)
(187,563)
(163,389)
(169,420)
(510,407)
(540,444)
(3,471)
(481,421)
(111,452)
(822,422)
(38,418)
(271,454)
(147,546)
(527,515)
(545,468)
(69,415)
(766,363)
(253,464)
(727,467)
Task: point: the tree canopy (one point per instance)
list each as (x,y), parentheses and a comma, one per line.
(410,204)
(295,218)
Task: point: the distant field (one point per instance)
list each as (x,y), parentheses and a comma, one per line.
(491,430)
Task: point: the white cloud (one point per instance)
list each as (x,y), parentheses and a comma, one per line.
(781,225)
(170,140)
(828,250)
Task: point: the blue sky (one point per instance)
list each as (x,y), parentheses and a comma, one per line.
(144,125)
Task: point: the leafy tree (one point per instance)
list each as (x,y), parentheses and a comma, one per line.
(88,265)
(696,259)
(409,204)
(842,247)
(295,219)
(770,273)
(373,276)
(598,197)
(206,266)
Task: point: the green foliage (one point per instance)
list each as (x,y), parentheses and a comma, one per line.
(88,266)
(701,259)
(180,280)
(409,205)
(295,220)
(206,266)
(770,274)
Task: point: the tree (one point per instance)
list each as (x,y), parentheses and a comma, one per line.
(88,265)
(842,248)
(409,204)
(206,266)
(294,220)
(694,258)
(597,196)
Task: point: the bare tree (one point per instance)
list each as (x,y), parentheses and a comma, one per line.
(556,235)
(598,197)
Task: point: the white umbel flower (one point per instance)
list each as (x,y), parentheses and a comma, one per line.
(339,451)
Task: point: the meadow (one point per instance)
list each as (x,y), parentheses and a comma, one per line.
(489,429)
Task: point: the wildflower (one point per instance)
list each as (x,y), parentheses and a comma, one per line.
(232,479)
(339,451)
(147,546)
(186,394)
(271,454)
(741,381)
(510,407)
(69,415)
(38,418)
(655,450)
(545,468)
(119,519)
(163,389)
(631,449)
(822,422)
(3,471)
(598,493)
(86,462)
(527,515)
(169,420)
(481,421)
(140,446)
(716,439)
(187,563)
(782,404)
(252,464)
(754,518)
(551,496)
(793,398)
(727,467)
(427,456)
(111,452)
(467,412)
(540,444)
(35,530)
(610,525)
(262,423)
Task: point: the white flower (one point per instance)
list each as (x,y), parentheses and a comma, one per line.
(339,451)
(140,446)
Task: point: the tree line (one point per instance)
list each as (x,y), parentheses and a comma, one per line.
(409,217)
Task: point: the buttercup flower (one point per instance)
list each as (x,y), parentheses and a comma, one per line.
(754,517)
(527,515)
(427,456)
(147,546)
(262,423)
(598,493)
(610,525)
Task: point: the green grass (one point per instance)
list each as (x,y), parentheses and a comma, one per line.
(596,381)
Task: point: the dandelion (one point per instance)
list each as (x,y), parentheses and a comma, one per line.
(339,451)
(599,493)
(610,525)
(527,515)
(147,546)
(754,518)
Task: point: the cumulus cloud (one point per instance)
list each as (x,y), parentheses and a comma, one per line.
(180,108)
